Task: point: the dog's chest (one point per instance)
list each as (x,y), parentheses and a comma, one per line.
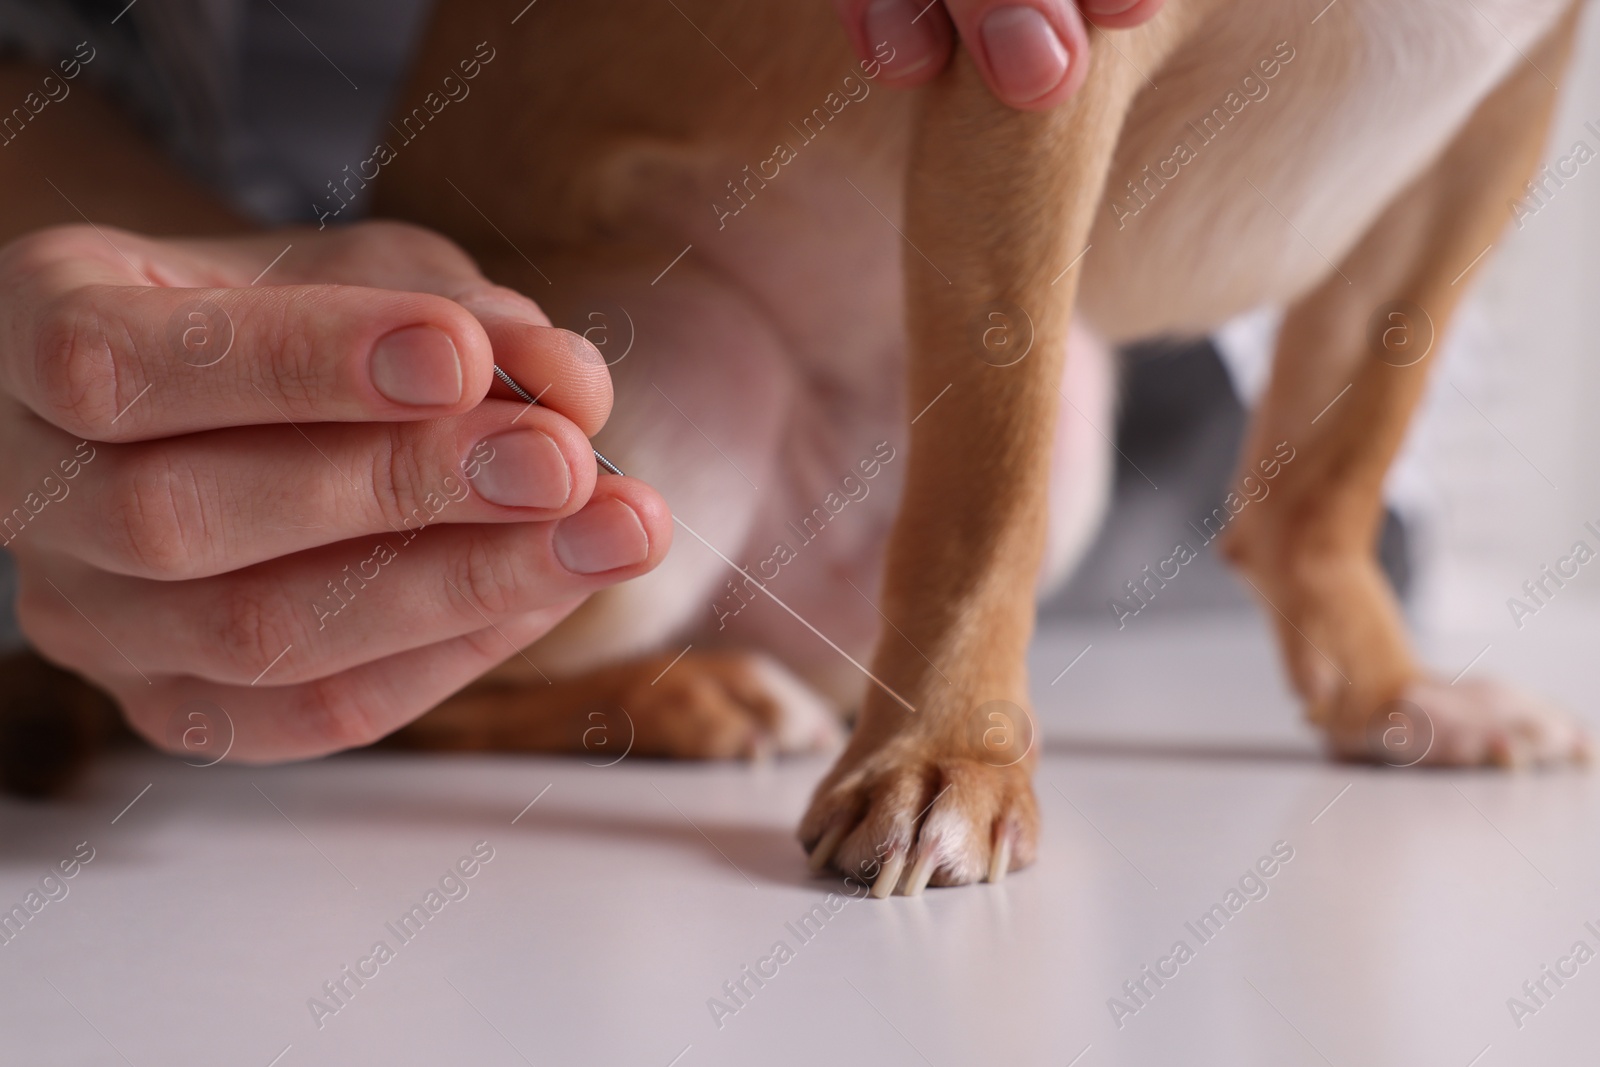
(1263,149)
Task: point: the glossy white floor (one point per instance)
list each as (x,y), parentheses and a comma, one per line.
(217,905)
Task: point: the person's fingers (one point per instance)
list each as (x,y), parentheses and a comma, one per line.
(267,723)
(1120,14)
(97,349)
(559,368)
(202,504)
(336,607)
(899,42)
(1033,55)
(383,254)
(110,363)
(563,370)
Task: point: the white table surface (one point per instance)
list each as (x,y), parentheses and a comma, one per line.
(217,905)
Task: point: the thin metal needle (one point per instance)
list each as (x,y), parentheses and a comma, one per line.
(511,383)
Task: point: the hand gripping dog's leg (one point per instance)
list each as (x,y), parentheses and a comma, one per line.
(999,204)
(1353,358)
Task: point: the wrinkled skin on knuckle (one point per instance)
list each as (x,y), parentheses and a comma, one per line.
(488,577)
(333,714)
(79,365)
(487,645)
(154,519)
(287,356)
(402,478)
(254,621)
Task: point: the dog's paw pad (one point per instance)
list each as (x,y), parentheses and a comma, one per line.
(907,824)
(726,705)
(1475,723)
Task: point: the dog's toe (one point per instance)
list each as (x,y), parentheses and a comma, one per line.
(727,706)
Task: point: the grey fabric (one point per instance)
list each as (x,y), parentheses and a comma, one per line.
(164,60)
(265,100)
(10,636)
(316,85)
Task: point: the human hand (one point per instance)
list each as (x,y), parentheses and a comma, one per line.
(1031,54)
(220,491)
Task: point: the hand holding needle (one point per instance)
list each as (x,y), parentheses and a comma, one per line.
(511,384)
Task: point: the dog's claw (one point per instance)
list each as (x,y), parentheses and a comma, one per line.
(889,877)
(927,862)
(1000,859)
(822,855)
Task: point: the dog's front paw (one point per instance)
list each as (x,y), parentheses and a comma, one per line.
(1469,724)
(904,818)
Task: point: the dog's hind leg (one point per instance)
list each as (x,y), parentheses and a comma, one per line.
(609,679)
(1353,358)
(699,705)
(935,783)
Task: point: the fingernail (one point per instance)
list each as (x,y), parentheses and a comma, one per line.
(911,45)
(525,469)
(418,366)
(1027,58)
(602,537)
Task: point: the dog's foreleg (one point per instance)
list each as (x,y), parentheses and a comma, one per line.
(1353,359)
(935,783)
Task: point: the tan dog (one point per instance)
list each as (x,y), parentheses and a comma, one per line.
(807,275)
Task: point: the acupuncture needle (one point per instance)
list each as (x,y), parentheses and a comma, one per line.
(511,383)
